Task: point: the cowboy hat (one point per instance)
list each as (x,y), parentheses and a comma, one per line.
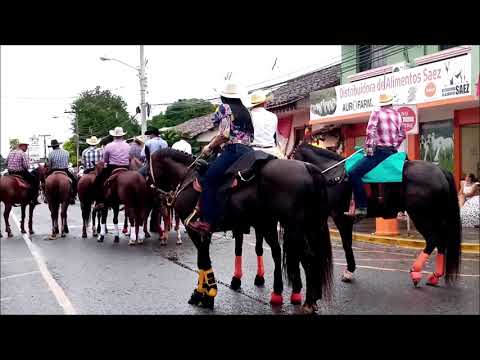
(117,132)
(23,142)
(233,91)
(139,138)
(385,100)
(54,143)
(93,141)
(258,98)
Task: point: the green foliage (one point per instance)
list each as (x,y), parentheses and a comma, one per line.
(172,136)
(99,111)
(70,146)
(181,111)
(14,143)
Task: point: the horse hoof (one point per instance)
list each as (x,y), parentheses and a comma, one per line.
(163,242)
(52,237)
(235,283)
(147,235)
(94,234)
(63,235)
(259,280)
(31,232)
(347,276)
(10,234)
(208,302)
(131,242)
(276,299)
(100,239)
(23,231)
(296,298)
(116,239)
(179,242)
(416,276)
(433,280)
(84,235)
(125,230)
(140,241)
(308,309)
(196,298)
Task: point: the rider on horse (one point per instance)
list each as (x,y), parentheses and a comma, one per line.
(91,155)
(385,134)
(265,125)
(136,147)
(58,161)
(236,130)
(115,156)
(17,164)
(153,144)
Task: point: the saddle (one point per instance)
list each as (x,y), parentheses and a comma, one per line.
(20,181)
(113,175)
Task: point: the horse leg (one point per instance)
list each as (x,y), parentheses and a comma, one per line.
(30,219)
(145,222)
(294,234)
(22,222)
(94,227)
(177,229)
(344,225)
(131,218)
(434,277)
(6,215)
(163,213)
(259,278)
(54,216)
(125,222)
(63,218)
(103,229)
(115,209)
(138,223)
(271,238)
(86,208)
(206,290)
(237,274)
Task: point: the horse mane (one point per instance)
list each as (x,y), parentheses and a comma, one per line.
(322,152)
(176,155)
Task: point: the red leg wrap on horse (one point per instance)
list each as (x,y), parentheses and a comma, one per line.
(420,262)
(276,299)
(260,268)
(296,298)
(238,267)
(440,264)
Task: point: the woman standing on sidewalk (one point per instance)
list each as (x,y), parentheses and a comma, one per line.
(470,211)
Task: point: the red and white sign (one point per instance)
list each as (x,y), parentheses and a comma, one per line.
(409,117)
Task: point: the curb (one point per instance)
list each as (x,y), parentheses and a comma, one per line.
(400,242)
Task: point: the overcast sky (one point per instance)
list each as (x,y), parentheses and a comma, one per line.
(38,83)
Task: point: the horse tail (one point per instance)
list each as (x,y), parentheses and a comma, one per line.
(318,234)
(453,231)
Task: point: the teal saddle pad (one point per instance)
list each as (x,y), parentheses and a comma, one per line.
(388,171)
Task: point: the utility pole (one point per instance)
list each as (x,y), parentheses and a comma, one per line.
(44,146)
(142,90)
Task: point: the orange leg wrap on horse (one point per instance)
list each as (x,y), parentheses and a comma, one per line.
(238,267)
(416,271)
(434,278)
(260,268)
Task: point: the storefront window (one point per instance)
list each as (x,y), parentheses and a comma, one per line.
(436,143)
(470,149)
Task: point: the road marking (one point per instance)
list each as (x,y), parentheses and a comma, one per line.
(16,260)
(47,276)
(19,275)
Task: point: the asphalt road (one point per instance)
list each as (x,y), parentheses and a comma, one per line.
(83,276)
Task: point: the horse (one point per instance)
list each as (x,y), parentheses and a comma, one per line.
(86,195)
(428,194)
(257,202)
(57,191)
(128,188)
(15,190)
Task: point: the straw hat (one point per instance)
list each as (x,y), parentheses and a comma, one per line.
(385,100)
(258,98)
(233,90)
(93,141)
(139,138)
(23,142)
(117,132)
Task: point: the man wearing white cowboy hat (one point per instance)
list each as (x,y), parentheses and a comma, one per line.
(91,155)
(265,124)
(136,147)
(18,164)
(385,133)
(115,155)
(58,160)
(236,132)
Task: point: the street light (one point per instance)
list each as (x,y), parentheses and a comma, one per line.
(142,78)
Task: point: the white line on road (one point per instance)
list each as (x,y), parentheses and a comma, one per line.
(16,260)
(19,275)
(47,276)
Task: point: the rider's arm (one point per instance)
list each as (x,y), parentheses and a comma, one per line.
(401,133)
(222,137)
(106,155)
(26,161)
(371,133)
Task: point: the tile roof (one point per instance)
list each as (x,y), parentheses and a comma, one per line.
(300,87)
(196,126)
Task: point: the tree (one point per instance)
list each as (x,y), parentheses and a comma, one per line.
(181,111)
(172,136)
(14,143)
(99,111)
(70,146)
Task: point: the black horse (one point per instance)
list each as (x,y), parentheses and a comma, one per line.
(427,193)
(298,202)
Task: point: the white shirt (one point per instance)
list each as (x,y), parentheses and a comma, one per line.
(182,145)
(265,126)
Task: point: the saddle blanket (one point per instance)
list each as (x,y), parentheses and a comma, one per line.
(389,170)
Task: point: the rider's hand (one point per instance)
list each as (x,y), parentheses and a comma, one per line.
(206,150)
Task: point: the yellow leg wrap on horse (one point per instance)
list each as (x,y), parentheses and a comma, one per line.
(211,283)
(201,280)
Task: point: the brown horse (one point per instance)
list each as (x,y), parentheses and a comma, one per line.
(86,195)
(57,190)
(14,190)
(128,188)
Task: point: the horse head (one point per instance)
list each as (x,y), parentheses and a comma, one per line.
(170,166)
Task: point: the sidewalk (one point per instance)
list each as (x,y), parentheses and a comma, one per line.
(365,231)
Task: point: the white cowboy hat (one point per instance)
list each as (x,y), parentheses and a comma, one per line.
(140,138)
(233,90)
(92,141)
(23,142)
(258,98)
(117,132)
(385,100)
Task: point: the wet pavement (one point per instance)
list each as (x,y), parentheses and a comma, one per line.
(108,278)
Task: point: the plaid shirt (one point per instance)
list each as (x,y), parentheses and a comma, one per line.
(58,159)
(17,160)
(91,156)
(385,128)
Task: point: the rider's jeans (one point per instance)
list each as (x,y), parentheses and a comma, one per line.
(213,179)
(362,167)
